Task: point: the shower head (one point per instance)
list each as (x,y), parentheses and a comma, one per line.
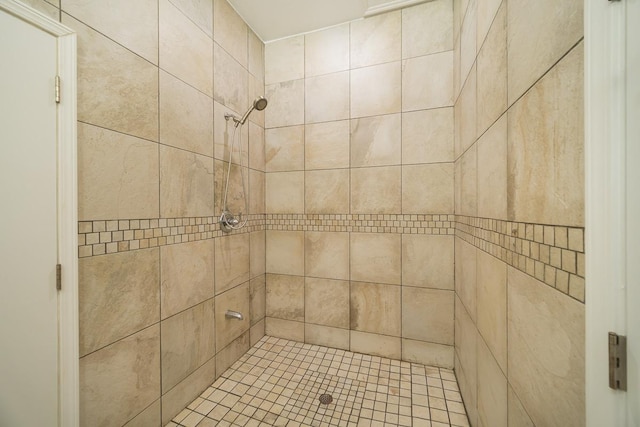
(260,103)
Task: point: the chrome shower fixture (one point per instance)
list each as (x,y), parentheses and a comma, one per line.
(260,103)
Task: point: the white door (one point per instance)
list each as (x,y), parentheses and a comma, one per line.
(29,389)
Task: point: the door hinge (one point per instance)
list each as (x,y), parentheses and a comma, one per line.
(617,361)
(59,277)
(57,89)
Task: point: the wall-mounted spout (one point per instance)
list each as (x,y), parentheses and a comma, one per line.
(230,314)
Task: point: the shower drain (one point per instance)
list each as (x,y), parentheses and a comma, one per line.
(325,399)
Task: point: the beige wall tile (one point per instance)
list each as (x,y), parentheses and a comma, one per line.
(486,13)
(119,381)
(231,353)
(284,149)
(327,51)
(256,332)
(428,261)
(186,116)
(186,183)
(492,171)
(230,31)
(427,315)
(284,60)
(257,192)
(467,183)
(224,132)
(376,190)
(287,329)
(376,141)
(327,191)
(284,192)
(468,40)
(255,90)
(285,297)
(151,416)
(116,88)
(327,303)
(427,28)
(256,147)
(376,39)
(550,380)
(118,295)
(427,136)
(257,253)
(468,391)
(427,82)
(49,8)
(327,145)
(467,113)
(117,175)
(557,28)
(228,330)
(466,337)
(231,81)
(517,416)
(176,399)
(232,261)
(546,148)
(327,97)
(131,24)
(237,192)
(427,188)
(188,341)
(286,104)
(187,272)
(376,308)
(285,252)
(327,255)
(256,56)
(492,305)
(375,257)
(492,390)
(326,336)
(376,90)
(199,11)
(465,267)
(192,62)
(377,345)
(427,353)
(257,299)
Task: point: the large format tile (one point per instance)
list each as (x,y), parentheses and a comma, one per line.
(256,191)
(326,145)
(427,82)
(465,266)
(492,390)
(326,191)
(257,253)
(228,330)
(375,344)
(256,147)
(468,39)
(466,118)
(237,191)
(230,81)
(517,415)
(427,28)
(466,198)
(49,8)
(118,295)
(230,31)
(286,104)
(376,90)
(376,308)
(257,299)
(326,336)
(428,188)
(327,51)
(151,416)
(427,353)
(284,192)
(376,141)
(327,302)
(284,60)
(256,57)
(284,149)
(285,297)
(492,171)
(285,252)
(231,353)
(427,315)
(376,40)
(428,261)
(375,257)
(427,136)
(232,261)
(287,329)
(376,190)
(466,339)
(327,255)
(199,11)
(326,97)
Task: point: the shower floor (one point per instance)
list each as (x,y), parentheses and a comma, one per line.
(279,383)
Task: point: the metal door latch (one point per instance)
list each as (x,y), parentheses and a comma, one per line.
(617,361)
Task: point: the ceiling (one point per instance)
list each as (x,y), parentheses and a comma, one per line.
(276,19)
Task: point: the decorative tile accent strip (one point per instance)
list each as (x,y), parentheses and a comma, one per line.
(552,254)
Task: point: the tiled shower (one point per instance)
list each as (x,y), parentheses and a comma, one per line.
(415,189)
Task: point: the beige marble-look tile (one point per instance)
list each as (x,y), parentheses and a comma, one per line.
(229,329)
(376,141)
(375,344)
(255,90)
(327,97)
(119,381)
(232,261)
(327,255)
(468,40)
(257,253)
(131,24)
(427,136)
(152,415)
(427,28)
(468,391)
(237,192)
(492,305)
(199,11)
(467,115)
(326,145)
(230,81)
(286,104)
(117,89)
(466,197)
(492,71)
(327,302)
(326,51)
(492,171)
(376,40)
(427,353)
(376,190)
(492,389)
(326,191)
(256,192)
(428,188)
(486,14)
(231,353)
(466,338)
(49,8)
(256,56)
(187,272)
(186,183)
(287,329)
(326,336)
(257,332)
(546,148)
(191,62)
(118,295)
(539,35)
(186,116)
(230,31)
(256,147)
(285,297)
(284,192)
(284,60)
(284,149)
(257,299)
(225,133)
(517,415)
(428,261)
(285,252)
(376,308)
(427,315)
(465,266)
(427,81)
(375,257)
(376,90)
(550,380)
(188,341)
(117,175)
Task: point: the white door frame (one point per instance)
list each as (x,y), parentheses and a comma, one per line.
(67,208)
